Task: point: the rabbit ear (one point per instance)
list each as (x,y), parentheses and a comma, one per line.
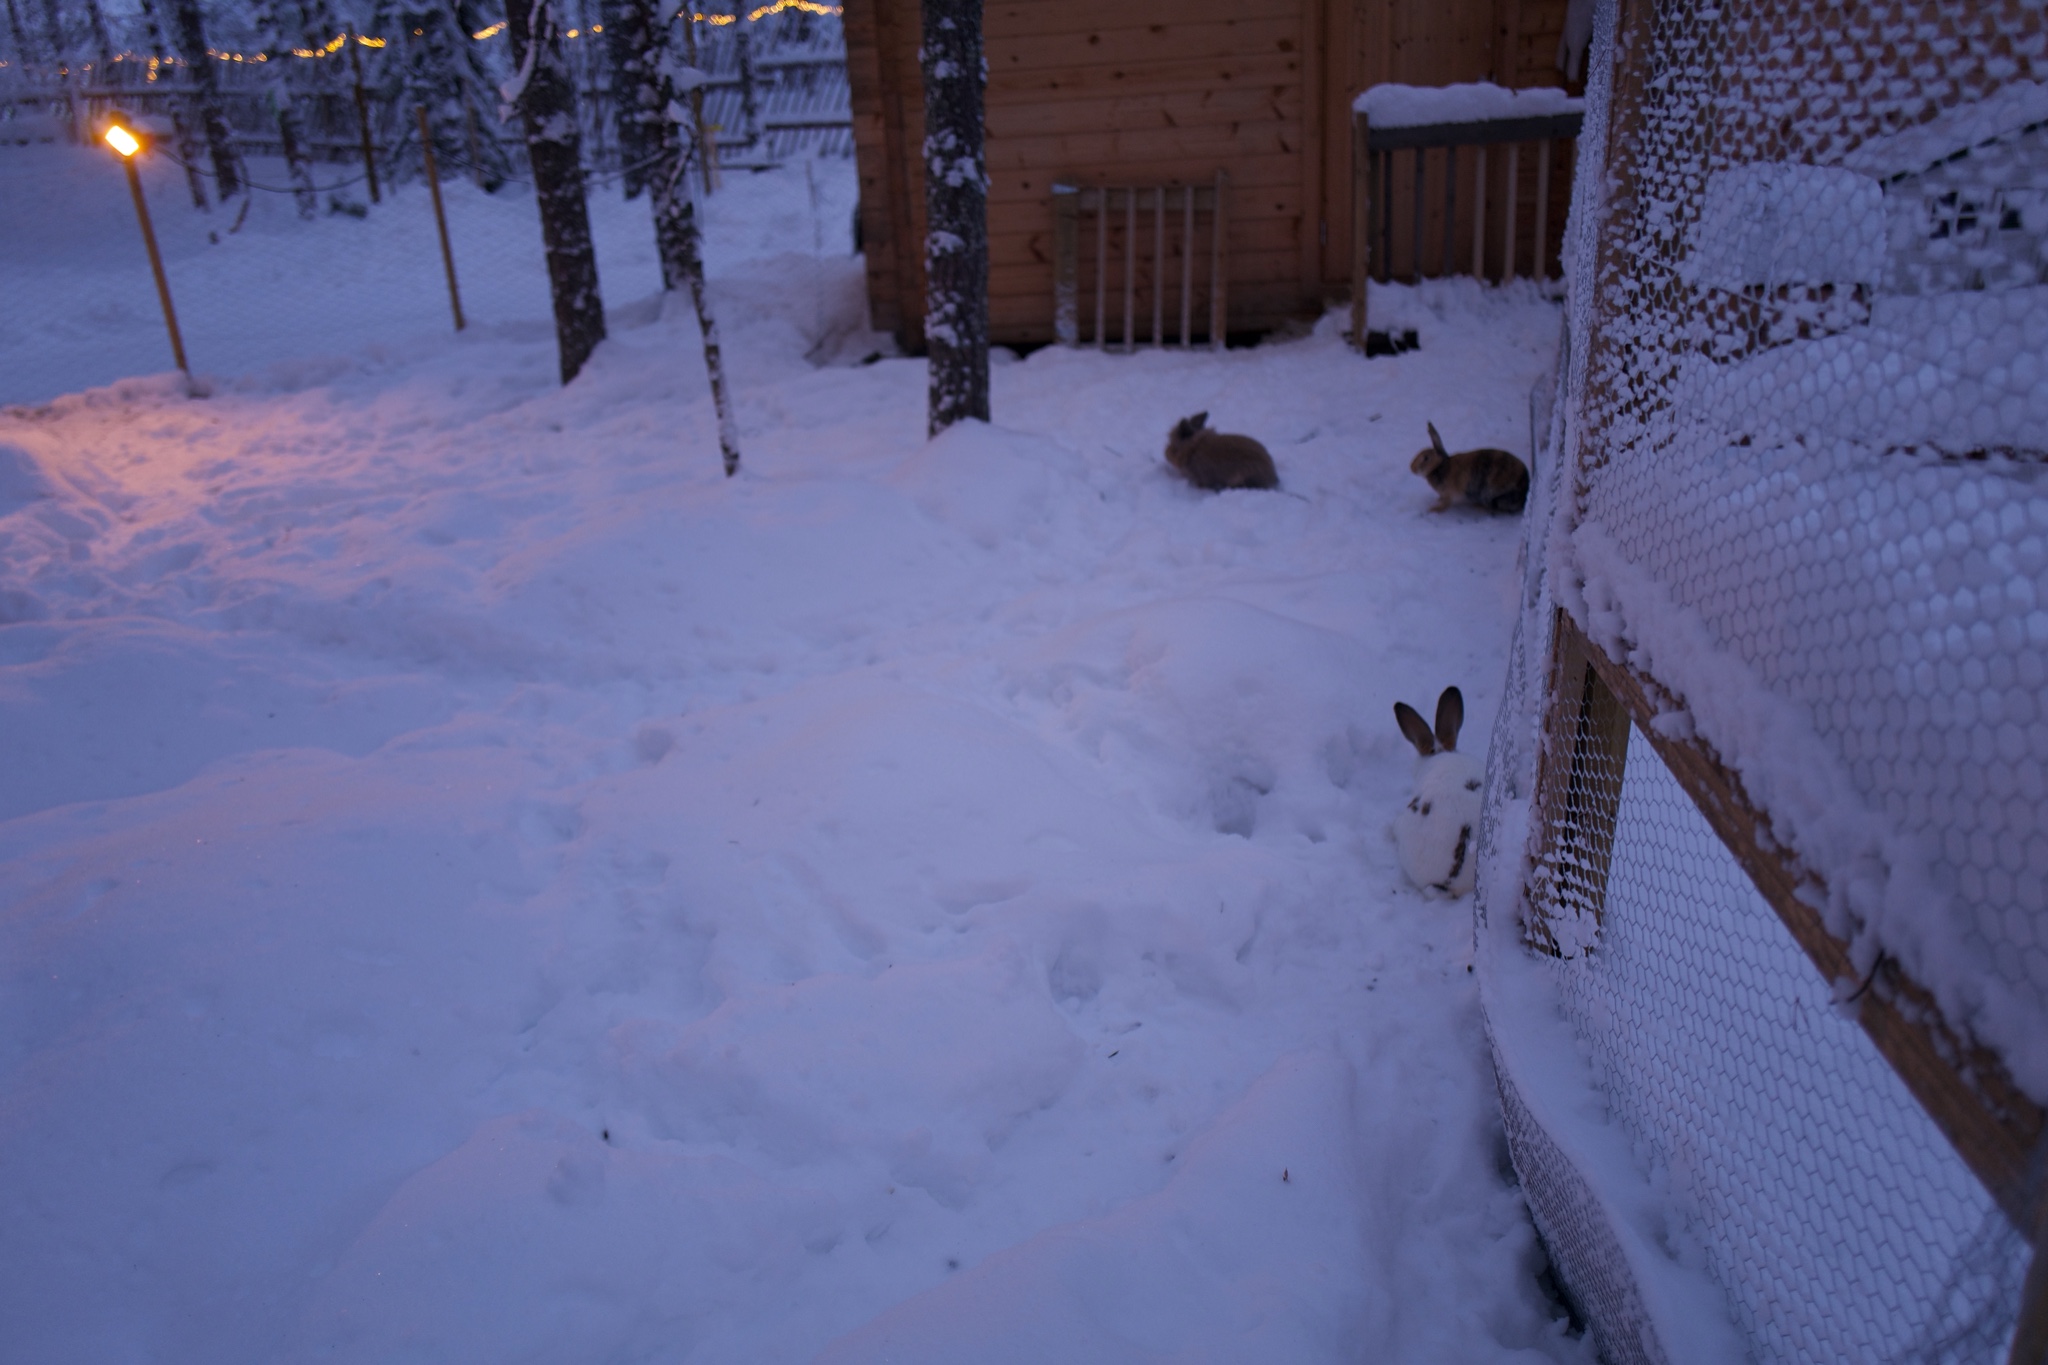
(1198,421)
(1450,716)
(1415,728)
(1437,440)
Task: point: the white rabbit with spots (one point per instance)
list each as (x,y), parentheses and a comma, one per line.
(1437,832)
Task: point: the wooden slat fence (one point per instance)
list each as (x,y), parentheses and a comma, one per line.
(1186,222)
(1384,201)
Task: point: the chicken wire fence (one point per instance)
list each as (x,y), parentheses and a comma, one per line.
(262,276)
(1777,695)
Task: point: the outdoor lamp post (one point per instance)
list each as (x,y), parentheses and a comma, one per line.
(129,144)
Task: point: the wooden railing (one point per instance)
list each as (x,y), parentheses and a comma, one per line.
(1376,188)
(1176,215)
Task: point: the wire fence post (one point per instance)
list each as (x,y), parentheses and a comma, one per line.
(440,214)
(156,265)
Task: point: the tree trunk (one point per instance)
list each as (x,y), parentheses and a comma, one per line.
(678,238)
(187,142)
(956,213)
(540,91)
(706,153)
(628,42)
(61,69)
(191,35)
(277,61)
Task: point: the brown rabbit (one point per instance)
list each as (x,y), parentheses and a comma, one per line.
(1216,460)
(1491,480)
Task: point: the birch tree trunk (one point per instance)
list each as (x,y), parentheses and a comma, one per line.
(182,114)
(191,39)
(277,61)
(956,213)
(546,102)
(678,236)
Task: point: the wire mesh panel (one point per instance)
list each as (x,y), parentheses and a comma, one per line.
(1788,1137)
(1786,652)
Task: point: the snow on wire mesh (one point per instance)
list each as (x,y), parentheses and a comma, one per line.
(1804,492)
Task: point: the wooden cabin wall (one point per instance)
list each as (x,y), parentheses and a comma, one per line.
(1144,91)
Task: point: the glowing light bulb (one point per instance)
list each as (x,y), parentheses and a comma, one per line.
(122,141)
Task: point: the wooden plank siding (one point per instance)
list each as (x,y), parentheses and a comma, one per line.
(1152,91)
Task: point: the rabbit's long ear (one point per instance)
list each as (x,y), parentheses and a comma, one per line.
(1197,422)
(1450,716)
(1415,728)
(1437,440)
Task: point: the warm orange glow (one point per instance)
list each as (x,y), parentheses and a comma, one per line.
(122,141)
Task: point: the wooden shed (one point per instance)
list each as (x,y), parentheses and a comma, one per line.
(1164,95)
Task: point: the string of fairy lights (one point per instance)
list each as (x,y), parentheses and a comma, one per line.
(340,41)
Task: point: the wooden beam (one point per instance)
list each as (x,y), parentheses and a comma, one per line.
(1066,220)
(1219,264)
(1478,133)
(1578,794)
(1361,225)
(1315,222)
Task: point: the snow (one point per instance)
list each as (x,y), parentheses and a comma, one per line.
(2016,105)
(1775,223)
(1418,106)
(477,884)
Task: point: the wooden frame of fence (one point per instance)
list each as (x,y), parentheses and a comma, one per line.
(1185,203)
(1962,1085)
(1373,194)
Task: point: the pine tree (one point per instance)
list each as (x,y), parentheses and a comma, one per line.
(439,67)
(541,94)
(24,50)
(183,113)
(60,69)
(956,213)
(102,41)
(191,38)
(650,92)
(277,80)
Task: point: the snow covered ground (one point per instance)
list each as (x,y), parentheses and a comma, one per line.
(476,885)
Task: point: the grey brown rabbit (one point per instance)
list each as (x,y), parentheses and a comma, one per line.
(1217,460)
(1491,480)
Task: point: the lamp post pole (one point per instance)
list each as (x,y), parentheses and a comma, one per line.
(124,142)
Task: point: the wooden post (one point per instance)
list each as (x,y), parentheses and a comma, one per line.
(355,66)
(1507,222)
(1541,266)
(440,215)
(2030,1337)
(1066,230)
(1187,263)
(1479,217)
(1159,266)
(1415,235)
(1219,266)
(1386,217)
(1130,268)
(1361,223)
(1450,267)
(1578,791)
(156,265)
(1101,269)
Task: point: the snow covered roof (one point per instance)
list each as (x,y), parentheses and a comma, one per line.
(1418,106)
(2010,109)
